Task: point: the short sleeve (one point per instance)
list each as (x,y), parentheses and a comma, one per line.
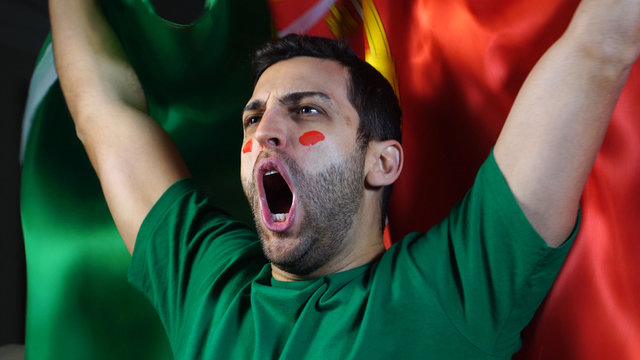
(187,253)
(486,265)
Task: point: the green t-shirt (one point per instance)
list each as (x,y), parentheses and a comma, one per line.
(463,290)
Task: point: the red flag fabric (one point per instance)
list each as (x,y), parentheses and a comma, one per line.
(458,65)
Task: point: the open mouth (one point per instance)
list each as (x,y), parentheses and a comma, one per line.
(276,197)
(279,196)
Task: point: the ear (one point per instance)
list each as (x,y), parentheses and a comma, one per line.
(384,162)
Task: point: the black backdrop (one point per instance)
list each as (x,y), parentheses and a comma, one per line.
(23,27)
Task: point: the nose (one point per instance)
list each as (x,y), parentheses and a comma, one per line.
(271,131)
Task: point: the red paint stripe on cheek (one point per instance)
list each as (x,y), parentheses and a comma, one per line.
(311,138)
(247,147)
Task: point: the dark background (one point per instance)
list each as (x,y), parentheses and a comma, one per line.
(24,25)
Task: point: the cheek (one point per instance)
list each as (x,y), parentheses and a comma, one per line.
(246,170)
(247,147)
(311,138)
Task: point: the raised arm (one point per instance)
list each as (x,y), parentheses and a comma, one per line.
(551,138)
(134,158)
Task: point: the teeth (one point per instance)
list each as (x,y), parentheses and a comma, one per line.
(270,172)
(278,217)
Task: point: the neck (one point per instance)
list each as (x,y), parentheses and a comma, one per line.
(339,265)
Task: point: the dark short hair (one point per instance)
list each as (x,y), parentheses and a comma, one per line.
(369,92)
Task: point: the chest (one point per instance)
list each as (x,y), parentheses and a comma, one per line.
(321,324)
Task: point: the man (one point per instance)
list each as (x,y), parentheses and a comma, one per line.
(315,174)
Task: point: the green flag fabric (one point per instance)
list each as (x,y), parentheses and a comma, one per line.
(196,80)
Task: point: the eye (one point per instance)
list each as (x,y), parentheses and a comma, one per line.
(252,120)
(308,110)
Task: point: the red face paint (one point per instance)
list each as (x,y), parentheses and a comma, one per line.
(311,138)
(247,147)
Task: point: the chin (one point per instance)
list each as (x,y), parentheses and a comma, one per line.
(301,255)
(286,252)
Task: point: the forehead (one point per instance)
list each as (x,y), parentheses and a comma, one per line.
(302,74)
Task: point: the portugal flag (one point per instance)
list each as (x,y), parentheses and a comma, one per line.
(456,66)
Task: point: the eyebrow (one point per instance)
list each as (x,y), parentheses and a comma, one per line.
(295,97)
(288,99)
(254,105)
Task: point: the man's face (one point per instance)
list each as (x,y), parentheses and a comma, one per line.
(302,170)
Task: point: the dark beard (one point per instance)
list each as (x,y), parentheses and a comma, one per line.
(329,199)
